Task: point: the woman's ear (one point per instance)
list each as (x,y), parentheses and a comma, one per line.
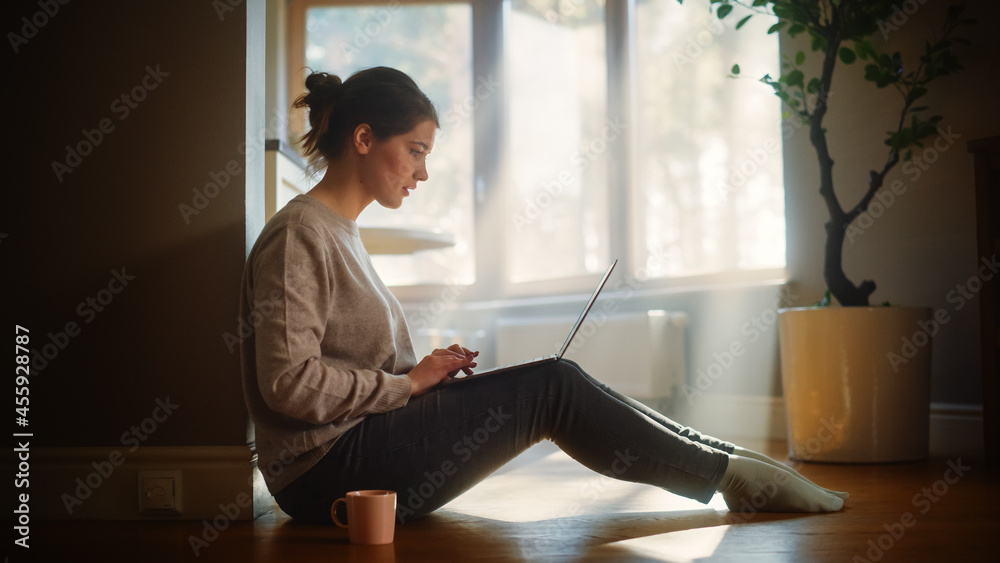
(363,137)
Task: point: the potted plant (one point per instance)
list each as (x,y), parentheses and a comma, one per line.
(854,391)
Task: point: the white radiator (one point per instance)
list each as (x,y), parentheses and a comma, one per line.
(638,354)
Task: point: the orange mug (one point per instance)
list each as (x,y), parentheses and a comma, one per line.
(371,516)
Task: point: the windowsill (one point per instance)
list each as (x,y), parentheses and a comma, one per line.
(618,289)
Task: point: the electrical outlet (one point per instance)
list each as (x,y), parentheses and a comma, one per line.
(159,493)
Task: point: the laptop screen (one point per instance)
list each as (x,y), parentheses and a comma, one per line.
(583,315)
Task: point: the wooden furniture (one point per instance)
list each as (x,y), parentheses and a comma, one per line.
(987,176)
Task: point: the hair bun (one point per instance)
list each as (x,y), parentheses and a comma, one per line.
(324,85)
(385,99)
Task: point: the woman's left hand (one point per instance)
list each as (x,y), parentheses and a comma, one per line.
(468,354)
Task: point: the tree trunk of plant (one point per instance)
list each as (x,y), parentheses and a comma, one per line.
(842,289)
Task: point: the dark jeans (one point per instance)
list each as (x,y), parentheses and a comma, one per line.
(442,443)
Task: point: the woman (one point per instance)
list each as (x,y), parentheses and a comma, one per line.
(341,403)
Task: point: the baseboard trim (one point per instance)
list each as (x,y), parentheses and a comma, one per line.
(956,429)
(102,483)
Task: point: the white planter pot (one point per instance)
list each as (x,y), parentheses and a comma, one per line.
(857,382)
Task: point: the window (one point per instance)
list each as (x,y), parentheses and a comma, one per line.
(619,140)
(558,140)
(709,147)
(345,39)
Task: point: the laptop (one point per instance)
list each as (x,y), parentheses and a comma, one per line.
(551,357)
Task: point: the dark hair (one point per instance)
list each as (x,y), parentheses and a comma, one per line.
(386,99)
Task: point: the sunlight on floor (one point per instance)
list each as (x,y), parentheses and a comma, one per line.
(682,546)
(558,487)
(555,507)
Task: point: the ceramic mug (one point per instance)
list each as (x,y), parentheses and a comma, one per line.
(371,516)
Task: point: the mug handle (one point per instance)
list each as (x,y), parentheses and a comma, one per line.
(333,512)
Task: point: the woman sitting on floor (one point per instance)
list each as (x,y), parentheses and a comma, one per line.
(341,403)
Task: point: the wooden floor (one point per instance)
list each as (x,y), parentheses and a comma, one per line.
(545,507)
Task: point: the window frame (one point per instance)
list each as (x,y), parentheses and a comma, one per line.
(491,137)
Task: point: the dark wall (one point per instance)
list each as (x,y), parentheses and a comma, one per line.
(78,230)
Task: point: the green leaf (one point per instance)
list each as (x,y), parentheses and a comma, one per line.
(864,49)
(724,10)
(759,3)
(735,69)
(917,92)
(846,55)
(777,27)
(818,42)
(795,78)
(813,86)
(800,57)
(872,72)
(743,21)
(825,301)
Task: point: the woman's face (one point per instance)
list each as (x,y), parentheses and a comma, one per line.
(393,167)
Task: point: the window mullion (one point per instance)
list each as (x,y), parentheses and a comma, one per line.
(490,140)
(620,41)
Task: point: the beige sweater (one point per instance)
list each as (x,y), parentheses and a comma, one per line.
(329,342)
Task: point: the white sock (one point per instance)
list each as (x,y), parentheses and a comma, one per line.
(743,452)
(753,485)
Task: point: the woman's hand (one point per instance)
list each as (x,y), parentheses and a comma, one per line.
(440,365)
